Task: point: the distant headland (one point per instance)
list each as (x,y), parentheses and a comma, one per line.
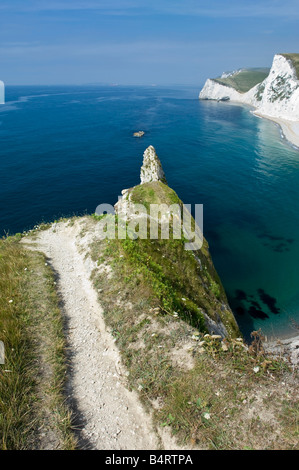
(274,93)
(2,92)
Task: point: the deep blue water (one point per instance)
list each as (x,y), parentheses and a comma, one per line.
(64,150)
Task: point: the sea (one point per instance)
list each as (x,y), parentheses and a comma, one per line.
(66,149)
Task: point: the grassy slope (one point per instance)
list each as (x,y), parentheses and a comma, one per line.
(32,409)
(206,391)
(179,270)
(294,58)
(244,80)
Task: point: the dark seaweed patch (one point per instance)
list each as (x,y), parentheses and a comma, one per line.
(278,244)
(240,310)
(257,313)
(269,301)
(255,304)
(247,304)
(240,295)
(276,239)
(280,248)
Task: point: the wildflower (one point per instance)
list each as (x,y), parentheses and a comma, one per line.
(10,301)
(207,415)
(256,369)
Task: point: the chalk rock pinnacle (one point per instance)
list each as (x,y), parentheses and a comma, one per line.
(151,169)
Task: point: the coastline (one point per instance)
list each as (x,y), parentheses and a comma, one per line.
(290,129)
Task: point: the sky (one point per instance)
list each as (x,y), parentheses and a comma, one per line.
(140,42)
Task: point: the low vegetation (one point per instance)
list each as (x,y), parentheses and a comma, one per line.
(33,412)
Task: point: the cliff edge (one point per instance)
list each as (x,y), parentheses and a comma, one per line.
(129,325)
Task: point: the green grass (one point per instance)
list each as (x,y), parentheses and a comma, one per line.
(294,58)
(204,390)
(210,394)
(172,271)
(32,378)
(244,80)
(154,193)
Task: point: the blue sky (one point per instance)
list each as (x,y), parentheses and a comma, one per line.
(140,42)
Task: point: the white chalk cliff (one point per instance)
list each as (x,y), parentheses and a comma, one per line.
(280,91)
(275,97)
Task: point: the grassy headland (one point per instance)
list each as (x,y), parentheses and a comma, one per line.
(208,392)
(245,79)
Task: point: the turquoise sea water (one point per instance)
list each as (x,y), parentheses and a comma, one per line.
(64,150)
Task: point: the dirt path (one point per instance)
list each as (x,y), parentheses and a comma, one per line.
(108,416)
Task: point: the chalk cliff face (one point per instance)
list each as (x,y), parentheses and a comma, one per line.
(277,96)
(279,93)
